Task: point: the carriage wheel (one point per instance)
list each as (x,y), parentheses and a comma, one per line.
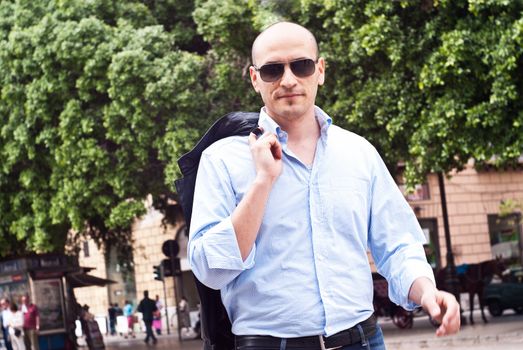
(403,319)
(494,307)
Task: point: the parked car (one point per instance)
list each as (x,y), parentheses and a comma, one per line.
(507,294)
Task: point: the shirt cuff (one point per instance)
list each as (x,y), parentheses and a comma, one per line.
(421,270)
(222,250)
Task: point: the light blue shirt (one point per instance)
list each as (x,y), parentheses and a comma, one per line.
(308,272)
(128,310)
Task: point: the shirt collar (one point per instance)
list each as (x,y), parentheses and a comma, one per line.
(268,124)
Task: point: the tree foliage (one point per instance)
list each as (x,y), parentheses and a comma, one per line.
(99,98)
(97,102)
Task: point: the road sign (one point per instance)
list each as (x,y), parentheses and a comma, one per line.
(170,248)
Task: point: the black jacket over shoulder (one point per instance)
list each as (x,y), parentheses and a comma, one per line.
(215,324)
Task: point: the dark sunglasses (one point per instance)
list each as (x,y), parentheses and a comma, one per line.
(274,71)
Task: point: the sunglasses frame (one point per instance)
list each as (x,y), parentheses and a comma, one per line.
(258,69)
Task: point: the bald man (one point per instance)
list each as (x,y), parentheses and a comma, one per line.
(282,219)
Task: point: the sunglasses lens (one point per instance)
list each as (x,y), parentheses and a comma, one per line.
(303,68)
(274,71)
(271,72)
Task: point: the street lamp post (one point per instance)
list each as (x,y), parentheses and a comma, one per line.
(451,280)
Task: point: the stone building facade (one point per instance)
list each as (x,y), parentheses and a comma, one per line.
(477,230)
(148,236)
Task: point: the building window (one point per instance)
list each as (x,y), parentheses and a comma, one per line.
(505,237)
(421,192)
(430,229)
(86,249)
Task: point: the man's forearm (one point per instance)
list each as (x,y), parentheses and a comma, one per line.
(421,286)
(247,217)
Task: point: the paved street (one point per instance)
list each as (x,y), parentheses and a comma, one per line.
(501,333)
(504,332)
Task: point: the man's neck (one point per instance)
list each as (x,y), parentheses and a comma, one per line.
(303,134)
(306,129)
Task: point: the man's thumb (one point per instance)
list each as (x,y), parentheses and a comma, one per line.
(433,308)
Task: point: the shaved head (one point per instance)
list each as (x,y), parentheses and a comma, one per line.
(281,28)
(290,96)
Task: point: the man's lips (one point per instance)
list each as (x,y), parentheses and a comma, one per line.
(289,95)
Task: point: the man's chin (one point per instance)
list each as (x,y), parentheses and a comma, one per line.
(291,114)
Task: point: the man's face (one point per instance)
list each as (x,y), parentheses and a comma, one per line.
(289,97)
(3,304)
(25,300)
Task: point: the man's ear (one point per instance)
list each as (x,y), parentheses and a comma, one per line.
(321,70)
(254,79)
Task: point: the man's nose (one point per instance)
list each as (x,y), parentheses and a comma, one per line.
(288,79)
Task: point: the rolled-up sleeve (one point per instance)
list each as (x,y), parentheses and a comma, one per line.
(213,251)
(395,237)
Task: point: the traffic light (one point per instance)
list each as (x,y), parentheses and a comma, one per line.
(158,272)
(170,265)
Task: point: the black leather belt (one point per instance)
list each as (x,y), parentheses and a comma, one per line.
(347,337)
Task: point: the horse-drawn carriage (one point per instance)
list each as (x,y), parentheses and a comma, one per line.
(383,307)
(472,279)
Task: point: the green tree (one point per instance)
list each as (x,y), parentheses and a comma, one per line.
(98,99)
(433,83)
(97,102)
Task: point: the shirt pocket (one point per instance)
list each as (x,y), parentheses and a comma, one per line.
(348,203)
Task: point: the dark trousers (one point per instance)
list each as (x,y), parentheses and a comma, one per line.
(149,330)
(7,343)
(112,326)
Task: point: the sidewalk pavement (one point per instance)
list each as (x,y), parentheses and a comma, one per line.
(505,332)
(167,341)
(501,333)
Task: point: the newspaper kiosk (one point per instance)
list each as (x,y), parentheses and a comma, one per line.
(49,279)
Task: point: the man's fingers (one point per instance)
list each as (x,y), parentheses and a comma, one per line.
(433,309)
(451,318)
(271,139)
(276,149)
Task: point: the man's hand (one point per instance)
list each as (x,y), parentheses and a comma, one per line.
(266,153)
(441,306)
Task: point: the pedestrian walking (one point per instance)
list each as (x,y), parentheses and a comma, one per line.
(157,316)
(185,314)
(15,322)
(4,309)
(31,323)
(283,218)
(112,318)
(128,312)
(147,307)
